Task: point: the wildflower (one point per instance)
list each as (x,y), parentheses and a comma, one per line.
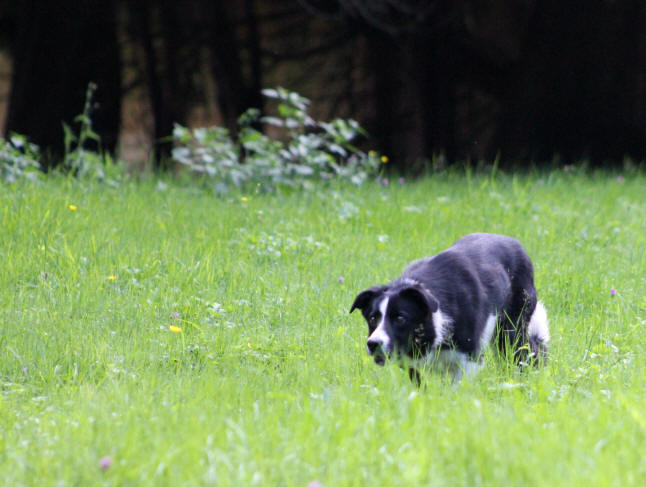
(73,207)
(112,278)
(620,179)
(402,180)
(105,462)
(175,329)
(613,292)
(244,198)
(384,159)
(372,153)
(174,314)
(341,279)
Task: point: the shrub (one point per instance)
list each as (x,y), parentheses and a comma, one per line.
(18,159)
(308,149)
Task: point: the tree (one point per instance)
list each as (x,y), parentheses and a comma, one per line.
(53,63)
(521,79)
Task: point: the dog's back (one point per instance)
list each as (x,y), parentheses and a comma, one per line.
(480,276)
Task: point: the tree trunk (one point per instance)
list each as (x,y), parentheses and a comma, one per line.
(235,94)
(160,99)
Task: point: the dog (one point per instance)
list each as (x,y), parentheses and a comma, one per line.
(446,309)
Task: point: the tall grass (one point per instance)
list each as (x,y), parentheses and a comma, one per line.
(263,377)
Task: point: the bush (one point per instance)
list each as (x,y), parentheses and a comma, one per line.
(18,159)
(307,150)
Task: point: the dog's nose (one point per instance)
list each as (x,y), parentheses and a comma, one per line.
(373,345)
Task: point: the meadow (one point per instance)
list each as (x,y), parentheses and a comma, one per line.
(156,334)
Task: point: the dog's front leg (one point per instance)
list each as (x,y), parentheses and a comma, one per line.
(415,378)
(464,366)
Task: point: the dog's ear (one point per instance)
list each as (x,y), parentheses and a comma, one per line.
(420,295)
(364,298)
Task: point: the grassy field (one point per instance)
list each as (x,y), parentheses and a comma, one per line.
(158,335)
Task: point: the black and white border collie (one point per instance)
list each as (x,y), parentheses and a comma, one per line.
(447,308)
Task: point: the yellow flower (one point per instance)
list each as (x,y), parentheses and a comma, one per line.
(112,278)
(175,329)
(73,207)
(244,198)
(372,153)
(384,159)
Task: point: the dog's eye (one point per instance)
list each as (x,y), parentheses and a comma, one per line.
(400,319)
(372,319)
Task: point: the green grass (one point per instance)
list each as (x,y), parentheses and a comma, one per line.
(268,382)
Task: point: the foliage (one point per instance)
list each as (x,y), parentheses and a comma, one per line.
(18,159)
(308,149)
(158,336)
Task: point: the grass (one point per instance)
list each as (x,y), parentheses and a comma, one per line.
(267,383)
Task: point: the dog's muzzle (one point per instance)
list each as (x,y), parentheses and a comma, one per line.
(376,350)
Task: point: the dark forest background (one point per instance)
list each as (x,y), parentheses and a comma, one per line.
(523,80)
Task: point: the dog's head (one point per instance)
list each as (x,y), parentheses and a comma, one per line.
(400,320)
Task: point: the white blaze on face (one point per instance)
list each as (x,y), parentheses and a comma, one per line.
(380,335)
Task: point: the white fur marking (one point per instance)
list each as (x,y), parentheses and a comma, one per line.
(487,333)
(411,282)
(441,325)
(380,335)
(538,324)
